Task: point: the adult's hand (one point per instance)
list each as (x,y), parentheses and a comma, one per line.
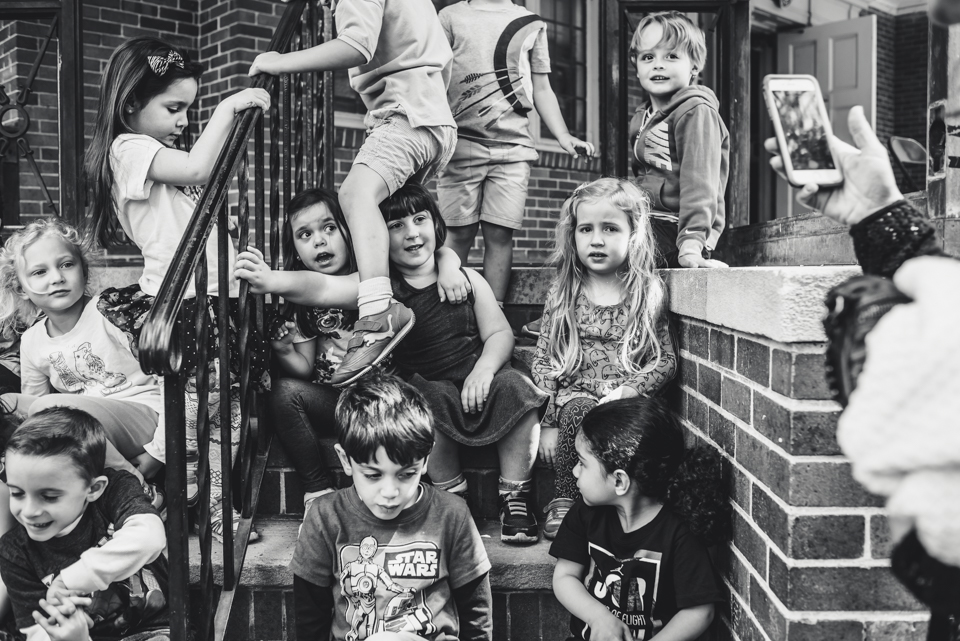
(868,181)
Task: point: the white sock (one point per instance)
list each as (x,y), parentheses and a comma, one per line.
(373,296)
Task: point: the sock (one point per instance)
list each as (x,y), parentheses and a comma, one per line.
(456,485)
(373,296)
(506,485)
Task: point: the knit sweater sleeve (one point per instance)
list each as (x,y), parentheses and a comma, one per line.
(888,238)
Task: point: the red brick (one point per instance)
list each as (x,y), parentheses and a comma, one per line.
(894,630)
(881,547)
(708,381)
(770,518)
(800,376)
(809,433)
(825,630)
(736,399)
(722,348)
(753,360)
(766,612)
(750,543)
(723,432)
(742,625)
(695,339)
(827,537)
(832,588)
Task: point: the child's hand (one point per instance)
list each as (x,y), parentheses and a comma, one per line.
(281,336)
(609,628)
(696,260)
(621,392)
(248,98)
(66,622)
(252,268)
(548,445)
(147,465)
(58,593)
(476,389)
(576,147)
(265,63)
(453,286)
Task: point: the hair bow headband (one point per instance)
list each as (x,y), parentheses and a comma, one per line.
(160,64)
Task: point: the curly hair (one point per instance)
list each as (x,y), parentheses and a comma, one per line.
(643,437)
(18,312)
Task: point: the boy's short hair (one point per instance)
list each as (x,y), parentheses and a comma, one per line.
(679,32)
(63,431)
(380,409)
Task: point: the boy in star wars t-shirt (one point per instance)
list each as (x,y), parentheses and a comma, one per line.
(389,554)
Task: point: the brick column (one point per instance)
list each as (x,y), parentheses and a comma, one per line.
(810,552)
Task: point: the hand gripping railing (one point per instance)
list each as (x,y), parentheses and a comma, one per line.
(303,24)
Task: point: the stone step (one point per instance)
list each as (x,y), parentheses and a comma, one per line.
(524,608)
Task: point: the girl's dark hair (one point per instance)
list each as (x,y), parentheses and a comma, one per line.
(128,81)
(643,437)
(291,260)
(410,199)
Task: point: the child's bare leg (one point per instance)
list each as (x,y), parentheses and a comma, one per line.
(460,240)
(444,462)
(518,449)
(497,257)
(361,193)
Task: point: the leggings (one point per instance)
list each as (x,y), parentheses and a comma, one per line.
(569,419)
(302,414)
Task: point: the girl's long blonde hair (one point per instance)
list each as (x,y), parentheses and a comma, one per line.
(18,312)
(641,287)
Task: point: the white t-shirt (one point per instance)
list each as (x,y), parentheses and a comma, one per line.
(155,215)
(93,359)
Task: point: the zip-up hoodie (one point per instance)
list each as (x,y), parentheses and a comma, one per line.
(681,157)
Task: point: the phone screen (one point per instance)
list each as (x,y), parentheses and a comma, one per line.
(803,130)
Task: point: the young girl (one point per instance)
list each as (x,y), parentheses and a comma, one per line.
(142,185)
(73,357)
(648,510)
(602,335)
(312,341)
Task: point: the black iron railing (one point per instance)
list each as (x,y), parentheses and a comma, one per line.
(300,137)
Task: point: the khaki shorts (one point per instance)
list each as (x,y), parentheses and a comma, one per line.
(486,183)
(399,152)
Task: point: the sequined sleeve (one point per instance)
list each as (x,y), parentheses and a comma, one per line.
(653,380)
(888,238)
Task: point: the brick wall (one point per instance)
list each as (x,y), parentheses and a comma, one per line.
(810,549)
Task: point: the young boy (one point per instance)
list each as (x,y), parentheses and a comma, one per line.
(396,53)
(680,145)
(82,531)
(500,72)
(389,558)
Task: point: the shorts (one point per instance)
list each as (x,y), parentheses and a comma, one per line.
(486,183)
(400,152)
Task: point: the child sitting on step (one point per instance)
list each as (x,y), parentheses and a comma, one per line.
(391,558)
(632,561)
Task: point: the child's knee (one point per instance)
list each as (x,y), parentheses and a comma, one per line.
(497,235)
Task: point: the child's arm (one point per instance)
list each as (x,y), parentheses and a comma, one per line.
(473,601)
(296,359)
(313,606)
(568,588)
(687,624)
(540,371)
(175,167)
(497,340)
(64,622)
(328,56)
(549,109)
(452,285)
(698,137)
(301,287)
(652,379)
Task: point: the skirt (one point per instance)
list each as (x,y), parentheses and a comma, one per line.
(127,308)
(512,396)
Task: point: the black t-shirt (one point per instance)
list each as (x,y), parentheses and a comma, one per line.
(128,606)
(658,570)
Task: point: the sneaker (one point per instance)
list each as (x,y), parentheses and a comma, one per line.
(374,337)
(193,486)
(532,329)
(555,511)
(157,499)
(517,523)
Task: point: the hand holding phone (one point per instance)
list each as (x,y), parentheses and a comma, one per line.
(802,127)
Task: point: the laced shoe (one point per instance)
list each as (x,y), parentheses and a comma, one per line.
(517,523)
(555,511)
(157,499)
(374,337)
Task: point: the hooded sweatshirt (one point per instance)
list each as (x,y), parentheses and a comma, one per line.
(681,157)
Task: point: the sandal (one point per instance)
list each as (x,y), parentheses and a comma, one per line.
(216,524)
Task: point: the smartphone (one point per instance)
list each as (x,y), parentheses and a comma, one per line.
(802,125)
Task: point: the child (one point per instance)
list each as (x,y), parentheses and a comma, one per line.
(396,54)
(73,357)
(603,335)
(500,72)
(631,561)
(389,558)
(82,529)
(680,144)
(141,184)
(311,344)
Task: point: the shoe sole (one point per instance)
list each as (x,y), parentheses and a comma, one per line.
(399,336)
(550,535)
(519,537)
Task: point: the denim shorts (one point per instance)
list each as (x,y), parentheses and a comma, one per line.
(485,182)
(399,152)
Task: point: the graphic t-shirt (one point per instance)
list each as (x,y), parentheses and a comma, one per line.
(93,359)
(333,329)
(495,52)
(392,576)
(653,572)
